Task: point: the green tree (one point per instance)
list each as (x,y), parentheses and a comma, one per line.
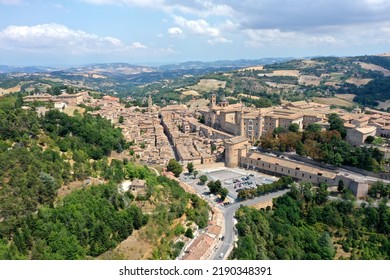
(369,139)
(327,251)
(223,192)
(48,189)
(336,123)
(189,233)
(300,149)
(121,119)
(321,194)
(313,127)
(190,167)
(294,127)
(179,230)
(203,179)
(174,167)
(378,141)
(340,186)
(279,130)
(215,187)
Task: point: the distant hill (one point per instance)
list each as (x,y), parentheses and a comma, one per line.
(233,64)
(25,69)
(130,69)
(261,82)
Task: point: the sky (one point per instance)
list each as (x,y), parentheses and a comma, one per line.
(77,32)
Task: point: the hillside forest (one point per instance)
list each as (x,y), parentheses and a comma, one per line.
(42,155)
(304,225)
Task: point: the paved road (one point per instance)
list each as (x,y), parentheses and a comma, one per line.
(228,211)
(229,232)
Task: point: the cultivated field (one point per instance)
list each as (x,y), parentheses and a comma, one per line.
(347,96)
(309,80)
(10,90)
(288,73)
(373,67)
(334,101)
(198,103)
(358,82)
(190,92)
(291,73)
(208,85)
(254,68)
(383,105)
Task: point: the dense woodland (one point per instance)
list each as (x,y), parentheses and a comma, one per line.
(39,155)
(304,225)
(374,91)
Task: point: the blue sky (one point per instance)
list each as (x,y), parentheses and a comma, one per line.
(74,32)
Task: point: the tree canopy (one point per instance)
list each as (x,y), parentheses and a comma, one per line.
(302,225)
(174,167)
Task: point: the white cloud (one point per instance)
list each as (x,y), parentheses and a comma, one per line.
(56,38)
(201,27)
(175,32)
(138,45)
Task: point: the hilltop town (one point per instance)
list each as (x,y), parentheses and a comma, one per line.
(225,132)
(189,160)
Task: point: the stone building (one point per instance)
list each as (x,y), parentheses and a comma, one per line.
(236,119)
(235,148)
(357,136)
(280,166)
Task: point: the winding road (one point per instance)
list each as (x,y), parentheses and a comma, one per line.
(225,246)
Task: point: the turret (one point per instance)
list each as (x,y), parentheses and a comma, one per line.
(213,100)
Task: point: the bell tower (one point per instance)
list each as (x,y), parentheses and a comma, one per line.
(213,100)
(150,102)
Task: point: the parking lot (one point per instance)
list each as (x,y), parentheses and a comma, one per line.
(238,179)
